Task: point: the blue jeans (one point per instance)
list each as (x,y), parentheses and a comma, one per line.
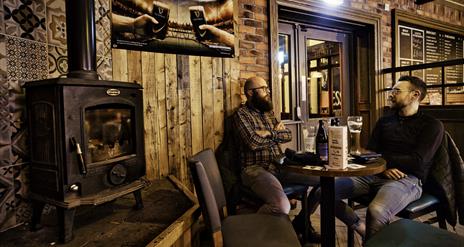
(391,196)
(266,184)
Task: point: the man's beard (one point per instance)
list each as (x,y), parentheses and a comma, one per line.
(397,105)
(264,104)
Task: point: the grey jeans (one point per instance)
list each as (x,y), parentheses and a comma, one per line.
(267,185)
(391,196)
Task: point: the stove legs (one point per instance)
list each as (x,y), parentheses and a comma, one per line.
(37,208)
(65,223)
(138,199)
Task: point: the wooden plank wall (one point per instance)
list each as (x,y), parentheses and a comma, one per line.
(186,99)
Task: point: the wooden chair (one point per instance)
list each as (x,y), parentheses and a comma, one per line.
(237,230)
(412,233)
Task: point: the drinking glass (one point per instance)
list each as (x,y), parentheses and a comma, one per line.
(310,140)
(355,126)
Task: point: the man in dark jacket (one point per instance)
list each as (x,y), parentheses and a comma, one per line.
(407,140)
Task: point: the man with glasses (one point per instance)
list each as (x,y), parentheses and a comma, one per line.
(407,140)
(259,135)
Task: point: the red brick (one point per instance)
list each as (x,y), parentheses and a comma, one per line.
(254,38)
(252,23)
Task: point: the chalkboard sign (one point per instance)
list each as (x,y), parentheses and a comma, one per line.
(418,44)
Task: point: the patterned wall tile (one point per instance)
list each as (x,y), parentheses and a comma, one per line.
(27,60)
(103,27)
(2,59)
(21,184)
(25,19)
(104,68)
(57,61)
(17,102)
(2,22)
(56,22)
(7,198)
(5,131)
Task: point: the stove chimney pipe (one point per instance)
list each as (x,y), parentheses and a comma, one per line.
(80,31)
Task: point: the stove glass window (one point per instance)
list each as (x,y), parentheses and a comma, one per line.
(109,133)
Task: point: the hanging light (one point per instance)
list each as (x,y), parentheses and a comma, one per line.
(333,2)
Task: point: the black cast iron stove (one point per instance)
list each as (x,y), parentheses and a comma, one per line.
(86,135)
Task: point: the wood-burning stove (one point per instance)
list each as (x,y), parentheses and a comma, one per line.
(86,135)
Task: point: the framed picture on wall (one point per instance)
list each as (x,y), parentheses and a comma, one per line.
(192,27)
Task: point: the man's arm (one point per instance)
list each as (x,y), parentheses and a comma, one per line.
(280,134)
(249,135)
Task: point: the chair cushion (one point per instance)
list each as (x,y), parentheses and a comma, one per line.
(412,233)
(256,230)
(425,201)
(292,189)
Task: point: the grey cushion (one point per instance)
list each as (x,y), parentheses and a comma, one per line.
(408,233)
(256,230)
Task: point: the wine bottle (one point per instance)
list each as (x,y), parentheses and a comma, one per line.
(322,142)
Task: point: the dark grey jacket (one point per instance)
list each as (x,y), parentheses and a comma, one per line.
(446,180)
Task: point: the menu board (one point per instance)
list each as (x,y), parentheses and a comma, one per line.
(418,44)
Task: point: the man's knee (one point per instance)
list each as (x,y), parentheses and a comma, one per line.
(378,213)
(282,206)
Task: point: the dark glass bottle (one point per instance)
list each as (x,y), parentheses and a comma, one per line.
(322,142)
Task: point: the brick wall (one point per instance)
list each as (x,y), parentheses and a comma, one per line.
(253,29)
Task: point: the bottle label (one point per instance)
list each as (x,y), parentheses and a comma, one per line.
(323,151)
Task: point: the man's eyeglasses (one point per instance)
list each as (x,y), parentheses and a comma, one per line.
(264,88)
(396,91)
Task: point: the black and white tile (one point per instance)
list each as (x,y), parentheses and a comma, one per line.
(57,61)
(56,22)
(26,60)
(25,19)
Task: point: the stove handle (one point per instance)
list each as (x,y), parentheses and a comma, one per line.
(80,157)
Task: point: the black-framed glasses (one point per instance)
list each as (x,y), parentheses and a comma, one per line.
(264,88)
(395,91)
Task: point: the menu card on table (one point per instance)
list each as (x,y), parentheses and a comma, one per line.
(338,147)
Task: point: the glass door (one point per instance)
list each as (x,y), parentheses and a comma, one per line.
(313,79)
(324,65)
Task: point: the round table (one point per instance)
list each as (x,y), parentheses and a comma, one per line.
(328,193)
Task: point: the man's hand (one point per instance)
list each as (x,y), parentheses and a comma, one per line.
(394,174)
(143,23)
(279,126)
(263,133)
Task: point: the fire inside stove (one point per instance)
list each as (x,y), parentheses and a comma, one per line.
(109,133)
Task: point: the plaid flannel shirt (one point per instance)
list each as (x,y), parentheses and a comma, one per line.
(255,149)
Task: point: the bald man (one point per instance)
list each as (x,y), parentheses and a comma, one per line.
(259,135)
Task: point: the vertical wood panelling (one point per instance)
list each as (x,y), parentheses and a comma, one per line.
(183,82)
(207,101)
(119,65)
(160,82)
(150,106)
(218,102)
(172,111)
(226,86)
(195,104)
(186,99)
(235,89)
(134,66)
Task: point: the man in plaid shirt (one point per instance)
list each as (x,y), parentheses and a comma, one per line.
(259,135)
